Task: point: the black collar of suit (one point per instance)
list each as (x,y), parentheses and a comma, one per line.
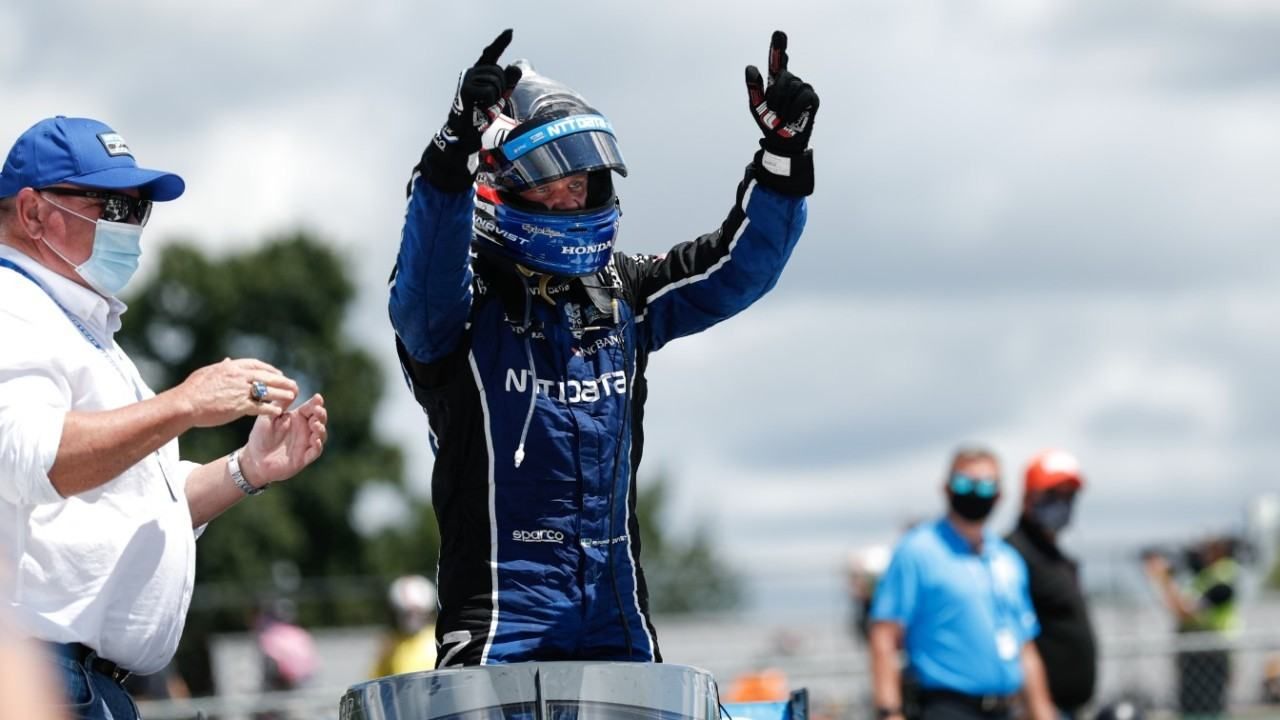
(514,288)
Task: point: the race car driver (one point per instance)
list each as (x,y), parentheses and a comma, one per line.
(525,338)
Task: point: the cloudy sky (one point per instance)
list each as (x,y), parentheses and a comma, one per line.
(1036,223)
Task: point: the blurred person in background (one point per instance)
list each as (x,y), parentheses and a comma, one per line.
(525,337)
(1066,641)
(865,566)
(1271,681)
(1203,607)
(287,654)
(287,650)
(411,646)
(955,598)
(101,514)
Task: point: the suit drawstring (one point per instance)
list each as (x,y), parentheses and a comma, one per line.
(533,372)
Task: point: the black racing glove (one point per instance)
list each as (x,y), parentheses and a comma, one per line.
(785,111)
(482,93)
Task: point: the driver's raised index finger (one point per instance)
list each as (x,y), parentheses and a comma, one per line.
(494,51)
(777,53)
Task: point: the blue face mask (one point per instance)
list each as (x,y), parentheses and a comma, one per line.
(117,249)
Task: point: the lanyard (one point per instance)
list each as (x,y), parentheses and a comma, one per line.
(88,336)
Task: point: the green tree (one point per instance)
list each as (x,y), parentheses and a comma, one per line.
(283,302)
(684,574)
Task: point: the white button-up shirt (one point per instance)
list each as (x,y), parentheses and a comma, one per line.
(112,567)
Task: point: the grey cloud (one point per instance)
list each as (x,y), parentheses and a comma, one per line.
(1201,47)
(1007,208)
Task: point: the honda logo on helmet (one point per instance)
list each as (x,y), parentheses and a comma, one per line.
(585,249)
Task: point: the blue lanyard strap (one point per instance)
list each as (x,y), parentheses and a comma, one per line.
(84,331)
(74,320)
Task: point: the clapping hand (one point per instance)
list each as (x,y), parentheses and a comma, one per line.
(281,446)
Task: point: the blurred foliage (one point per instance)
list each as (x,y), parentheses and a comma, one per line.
(684,574)
(283,302)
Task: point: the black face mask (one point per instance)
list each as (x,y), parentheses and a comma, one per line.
(1052,514)
(972,506)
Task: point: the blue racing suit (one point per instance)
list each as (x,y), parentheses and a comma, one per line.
(540,558)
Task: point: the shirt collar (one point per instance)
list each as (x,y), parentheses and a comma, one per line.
(957,542)
(100,315)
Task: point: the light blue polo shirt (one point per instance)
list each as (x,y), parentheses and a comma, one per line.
(965,616)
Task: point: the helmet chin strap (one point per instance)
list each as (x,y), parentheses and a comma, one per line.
(543,281)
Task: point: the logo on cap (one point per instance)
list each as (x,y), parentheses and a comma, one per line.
(114,144)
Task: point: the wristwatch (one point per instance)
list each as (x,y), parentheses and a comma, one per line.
(237,476)
(882,713)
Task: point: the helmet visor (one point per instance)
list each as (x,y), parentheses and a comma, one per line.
(562,147)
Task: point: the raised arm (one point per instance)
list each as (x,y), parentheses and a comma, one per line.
(430,287)
(704,281)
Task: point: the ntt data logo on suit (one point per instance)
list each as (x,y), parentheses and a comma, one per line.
(570,391)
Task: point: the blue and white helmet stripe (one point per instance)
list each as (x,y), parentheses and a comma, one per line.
(519,147)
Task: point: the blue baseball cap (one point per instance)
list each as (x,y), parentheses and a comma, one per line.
(82,152)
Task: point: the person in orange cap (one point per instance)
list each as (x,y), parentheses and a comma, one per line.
(1066,641)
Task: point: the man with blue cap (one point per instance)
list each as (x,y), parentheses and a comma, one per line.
(102,514)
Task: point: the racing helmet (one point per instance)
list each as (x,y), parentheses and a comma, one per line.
(548,132)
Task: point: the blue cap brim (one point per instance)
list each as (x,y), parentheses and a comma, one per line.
(159,186)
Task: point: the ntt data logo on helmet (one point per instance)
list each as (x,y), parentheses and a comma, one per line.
(574,124)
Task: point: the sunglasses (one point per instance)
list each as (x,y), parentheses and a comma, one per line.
(982,487)
(116,207)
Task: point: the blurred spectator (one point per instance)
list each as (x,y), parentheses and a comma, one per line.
(1271,681)
(866,565)
(289,657)
(955,596)
(1066,641)
(411,646)
(1205,604)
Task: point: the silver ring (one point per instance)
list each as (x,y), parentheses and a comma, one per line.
(258,391)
